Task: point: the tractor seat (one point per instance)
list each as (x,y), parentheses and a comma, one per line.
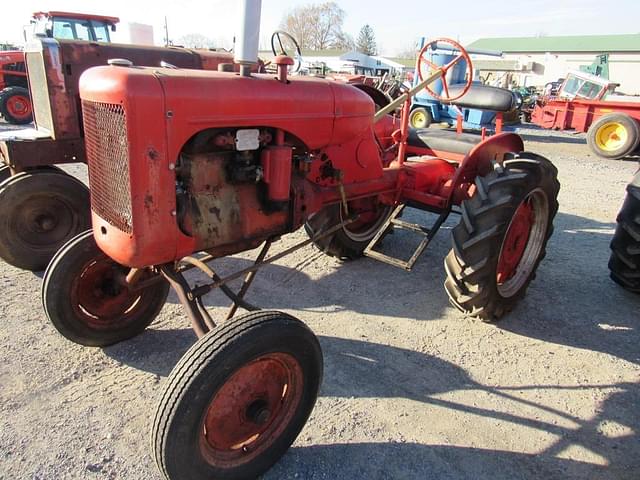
(442,140)
(484,97)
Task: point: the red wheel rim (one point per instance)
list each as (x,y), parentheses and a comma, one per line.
(444,69)
(100,298)
(515,241)
(523,243)
(19,106)
(251,410)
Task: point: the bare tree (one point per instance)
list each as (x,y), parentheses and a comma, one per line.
(195,40)
(316,26)
(366,42)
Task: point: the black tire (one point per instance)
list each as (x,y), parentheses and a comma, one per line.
(40,210)
(475,264)
(624,263)
(598,132)
(420,118)
(349,242)
(86,304)
(200,382)
(5,173)
(15,105)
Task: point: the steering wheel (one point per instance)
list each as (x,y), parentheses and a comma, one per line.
(422,59)
(276,41)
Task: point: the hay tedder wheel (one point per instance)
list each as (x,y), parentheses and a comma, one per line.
(15,105)
(349,242)
(624,263)
(238,398)
(40,210)
(84,297)
(502,236)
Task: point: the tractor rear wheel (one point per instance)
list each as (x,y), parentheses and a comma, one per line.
(349,242)
(420,118)
(238,398)
(15,105)
(85,298)
(40,210)
(614,136)
(502,236)
(624,263)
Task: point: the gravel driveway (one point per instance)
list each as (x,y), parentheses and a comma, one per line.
(412,390)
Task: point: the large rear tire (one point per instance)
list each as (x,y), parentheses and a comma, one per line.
(502,236)
(40,211)
(349,242)
(614,136)
(15,105)
(237,399)
(624,263)
(85,301)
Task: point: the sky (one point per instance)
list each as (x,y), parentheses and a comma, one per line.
(396,31)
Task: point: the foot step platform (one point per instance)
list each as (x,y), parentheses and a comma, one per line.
(394,222)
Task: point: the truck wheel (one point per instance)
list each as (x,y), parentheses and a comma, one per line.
(40,210)
(237,399)
(624,263)
(15,105)
(84,299)
(613,136)
(502,236)
(420,118)
(349,242)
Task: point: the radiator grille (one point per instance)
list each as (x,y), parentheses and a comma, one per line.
(39,91)
(105,130)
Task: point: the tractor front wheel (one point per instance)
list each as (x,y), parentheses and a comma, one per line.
(237,399)
(15,105)
(502,236)
(40,210)
(85,297)
(614,136)
(624,263)
(349,242)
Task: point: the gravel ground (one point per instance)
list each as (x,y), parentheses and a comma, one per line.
(412,390)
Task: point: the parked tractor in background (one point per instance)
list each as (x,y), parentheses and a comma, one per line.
(187,166)
(624,263)
(15,104)
(587,103)
(41,207)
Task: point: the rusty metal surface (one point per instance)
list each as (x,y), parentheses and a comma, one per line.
(21,154)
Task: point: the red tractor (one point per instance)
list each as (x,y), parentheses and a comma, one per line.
(15,104)
(185,161)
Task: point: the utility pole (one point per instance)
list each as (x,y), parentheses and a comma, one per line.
(166,32)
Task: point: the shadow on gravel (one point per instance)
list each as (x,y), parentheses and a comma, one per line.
(573,301)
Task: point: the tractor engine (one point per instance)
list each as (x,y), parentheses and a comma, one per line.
(184,160)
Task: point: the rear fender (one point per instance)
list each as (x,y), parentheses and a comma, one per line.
(480,160)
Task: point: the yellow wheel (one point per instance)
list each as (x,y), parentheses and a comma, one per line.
(611,136)
(614,136)
(420,118)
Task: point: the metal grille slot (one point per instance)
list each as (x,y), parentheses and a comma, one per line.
(105,129)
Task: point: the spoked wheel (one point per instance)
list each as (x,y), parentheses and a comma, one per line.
(85,298)
(349,242)
(624,263)
(502,237)
(40,211)
(238,399)
(15,105)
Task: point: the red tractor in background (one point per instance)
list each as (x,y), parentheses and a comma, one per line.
(15,104)
(184,161)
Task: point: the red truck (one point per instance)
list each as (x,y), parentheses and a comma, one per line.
(590,104)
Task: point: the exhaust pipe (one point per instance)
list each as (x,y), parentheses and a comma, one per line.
(248,38)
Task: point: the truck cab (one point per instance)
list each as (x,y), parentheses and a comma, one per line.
(72,26)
